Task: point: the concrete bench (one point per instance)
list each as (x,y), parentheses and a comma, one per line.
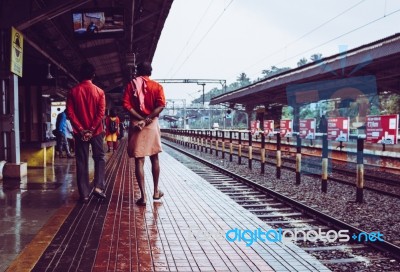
(38,154)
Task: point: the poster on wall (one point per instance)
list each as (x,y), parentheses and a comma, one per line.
(307,128)
(338,129)
(269,128)
(286,128)
(382,129)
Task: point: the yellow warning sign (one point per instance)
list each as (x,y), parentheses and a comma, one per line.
(17,42)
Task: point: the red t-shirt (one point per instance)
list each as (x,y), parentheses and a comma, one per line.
(86,105)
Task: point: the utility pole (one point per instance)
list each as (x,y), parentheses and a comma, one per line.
(198,81)
(201,82)
(203,90)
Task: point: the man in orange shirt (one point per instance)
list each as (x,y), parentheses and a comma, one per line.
(86,106)
(144,99)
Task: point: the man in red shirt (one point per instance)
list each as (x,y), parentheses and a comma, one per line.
(86,106)
(144,99)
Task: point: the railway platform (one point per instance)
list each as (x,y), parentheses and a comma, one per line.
(45,228)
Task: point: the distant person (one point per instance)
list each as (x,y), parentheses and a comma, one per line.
(86,106)
(323,124)
(92,28)
(69,133)
(144,99)
(61,131)
(112,130)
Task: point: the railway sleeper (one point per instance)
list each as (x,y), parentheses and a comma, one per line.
(292,221)
(255,211)
(337,247)
(283,215)
(263,205)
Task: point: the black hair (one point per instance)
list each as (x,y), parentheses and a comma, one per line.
(144,69)
(87,71)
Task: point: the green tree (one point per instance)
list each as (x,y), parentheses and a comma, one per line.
(302,62)
(316,57)
(306,112)
(287,112)
(243,80)
(392,105)
(273,71)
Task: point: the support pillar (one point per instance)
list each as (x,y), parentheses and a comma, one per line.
(360,171)
(324,185)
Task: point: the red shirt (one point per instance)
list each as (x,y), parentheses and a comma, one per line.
(153,98)
(86,105)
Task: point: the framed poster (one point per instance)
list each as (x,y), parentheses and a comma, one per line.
(307,128)
(338,129)
(269,128)
(382,129)
(286,128)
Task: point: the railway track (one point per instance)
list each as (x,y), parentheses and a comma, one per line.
(379,183)
(281,212)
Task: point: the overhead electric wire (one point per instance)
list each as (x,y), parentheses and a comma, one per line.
(344,34)
(305,35)
(202,38)
(190,37)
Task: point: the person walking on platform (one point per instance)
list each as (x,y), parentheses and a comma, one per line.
(86,106)
(144,99)
(70,136)
(112,130)
(62,131)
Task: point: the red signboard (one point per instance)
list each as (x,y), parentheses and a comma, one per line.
(254,125)
(269,127)
(338,129)
(307,128)
(286,128)
(382,129)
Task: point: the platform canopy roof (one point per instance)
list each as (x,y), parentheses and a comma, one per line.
(49,38)
(376,63)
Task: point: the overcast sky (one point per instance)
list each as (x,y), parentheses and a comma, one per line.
(220,39)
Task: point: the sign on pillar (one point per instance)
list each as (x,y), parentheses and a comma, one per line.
(17,46)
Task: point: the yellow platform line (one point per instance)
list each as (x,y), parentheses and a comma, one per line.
(31,254)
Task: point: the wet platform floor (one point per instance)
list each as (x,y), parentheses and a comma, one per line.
(184,231)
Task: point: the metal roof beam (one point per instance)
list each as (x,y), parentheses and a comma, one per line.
(60,8)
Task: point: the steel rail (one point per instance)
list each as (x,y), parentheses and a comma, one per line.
(320,216)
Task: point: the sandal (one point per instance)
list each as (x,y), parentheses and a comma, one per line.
(140,202)
(160,195)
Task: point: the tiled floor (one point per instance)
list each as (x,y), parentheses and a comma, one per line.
(184,231)
(25,206)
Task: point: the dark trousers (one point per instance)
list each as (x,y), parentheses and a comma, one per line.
(82,164)
(62,144)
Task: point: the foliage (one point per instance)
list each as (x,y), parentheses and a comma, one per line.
(316,57)
(273,71)
(287,112)
(390,104)
(302,62)
(243,80)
